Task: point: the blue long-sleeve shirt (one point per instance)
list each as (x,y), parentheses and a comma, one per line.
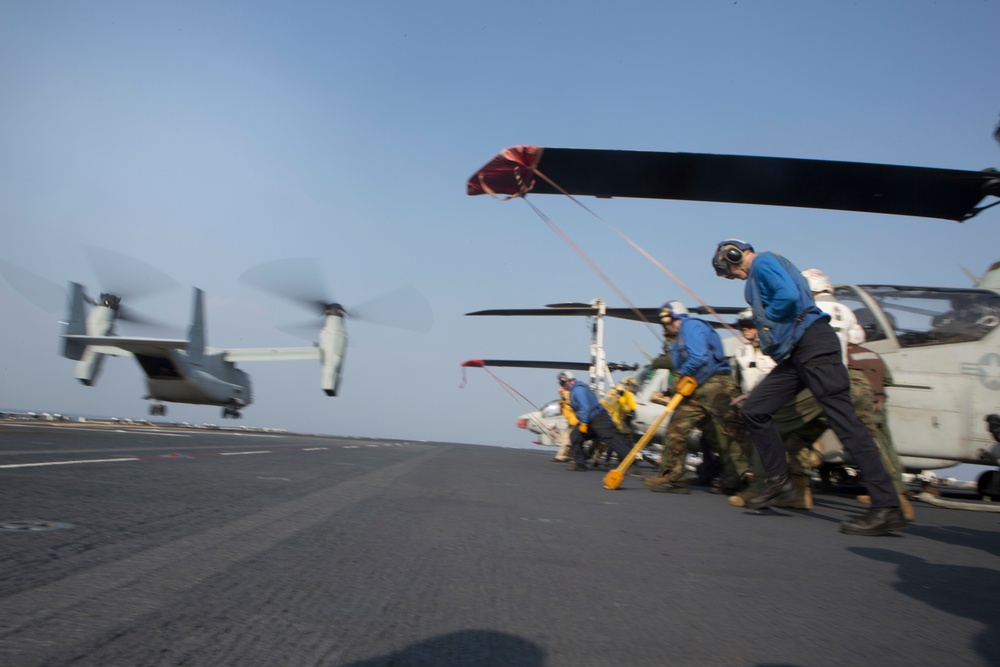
(698,350)
(783,306)
(583,402)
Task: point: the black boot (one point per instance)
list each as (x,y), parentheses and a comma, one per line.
(776,489)
(876,521)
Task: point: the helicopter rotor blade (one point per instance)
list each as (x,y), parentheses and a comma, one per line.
(127,314)
(125,276)
(298,280)
(39,291)
(404,308)
(304,330)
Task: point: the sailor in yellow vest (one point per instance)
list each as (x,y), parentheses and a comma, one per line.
(571,421)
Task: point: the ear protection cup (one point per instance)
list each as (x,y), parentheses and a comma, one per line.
(729,253)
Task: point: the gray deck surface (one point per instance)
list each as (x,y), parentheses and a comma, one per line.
(295,550)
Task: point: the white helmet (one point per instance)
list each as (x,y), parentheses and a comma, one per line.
(670,310)
(565,377)
(818,281)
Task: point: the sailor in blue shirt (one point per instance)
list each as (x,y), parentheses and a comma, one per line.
(696,351)
(595,422)
(797,335)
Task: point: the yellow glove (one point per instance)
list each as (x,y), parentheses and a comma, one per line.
(582,427)
(685,385)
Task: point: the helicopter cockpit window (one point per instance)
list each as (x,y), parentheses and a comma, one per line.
(928,316)
(551,409)
(648,374)
(866,318)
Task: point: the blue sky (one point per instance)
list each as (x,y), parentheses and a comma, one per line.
(207,137)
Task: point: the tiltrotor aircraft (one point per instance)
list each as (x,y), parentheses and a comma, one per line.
(187,370)
(942,345)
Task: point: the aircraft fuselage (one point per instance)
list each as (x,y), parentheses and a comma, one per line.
(176,378)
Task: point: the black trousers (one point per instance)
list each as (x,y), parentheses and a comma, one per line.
(601,429)
(816,363)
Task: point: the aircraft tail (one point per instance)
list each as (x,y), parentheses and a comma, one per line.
(75,323)
(196,332)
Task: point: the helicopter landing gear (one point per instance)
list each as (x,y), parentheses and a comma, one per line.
(157,409)
(231,413)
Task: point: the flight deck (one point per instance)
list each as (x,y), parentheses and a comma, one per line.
(129,546)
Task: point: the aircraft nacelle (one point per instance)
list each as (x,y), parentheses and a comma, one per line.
(332,343)
(100,322)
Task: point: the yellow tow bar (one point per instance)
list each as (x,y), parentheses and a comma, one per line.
(614,478)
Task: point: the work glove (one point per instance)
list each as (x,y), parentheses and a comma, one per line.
(582,427)
(685,385)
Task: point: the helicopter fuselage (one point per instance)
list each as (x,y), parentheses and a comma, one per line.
(175,378)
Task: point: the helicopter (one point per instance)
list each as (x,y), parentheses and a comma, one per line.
(650,380)
(942,345)
(547,421)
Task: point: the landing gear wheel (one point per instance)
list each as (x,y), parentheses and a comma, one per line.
(988,485)
(157,409)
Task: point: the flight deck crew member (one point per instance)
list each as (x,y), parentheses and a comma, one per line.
(564,445)
(620,404)
(867,373)
(594,422)
(861,360)
(798,336)
(798,430)
(697,352)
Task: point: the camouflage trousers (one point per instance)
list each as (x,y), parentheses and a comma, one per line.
(708,409)
(877,423)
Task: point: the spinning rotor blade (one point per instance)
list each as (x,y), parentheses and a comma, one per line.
(298,280)
(574,309)
(126,276)
(516,363)
(129,315)
(405,308)
(41,292)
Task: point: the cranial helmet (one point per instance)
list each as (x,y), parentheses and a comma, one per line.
(727,254)
(670,310)
(629,383)
(818,281)
(565,378)
(745,318)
